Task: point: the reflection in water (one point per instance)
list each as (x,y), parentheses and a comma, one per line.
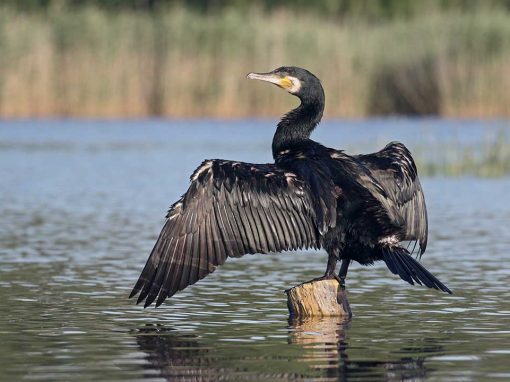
(323,347)
(325,341)
(177,356)
(186,358)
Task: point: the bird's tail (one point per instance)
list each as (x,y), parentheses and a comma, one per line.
(401,263)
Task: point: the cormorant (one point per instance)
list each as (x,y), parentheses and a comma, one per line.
(359,207)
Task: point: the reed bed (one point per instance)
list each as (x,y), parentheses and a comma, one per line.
(177,63)
(488,158)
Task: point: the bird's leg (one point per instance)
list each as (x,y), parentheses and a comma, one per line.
(343,272)
(330,269)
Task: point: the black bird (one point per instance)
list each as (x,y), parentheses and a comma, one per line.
(358,207)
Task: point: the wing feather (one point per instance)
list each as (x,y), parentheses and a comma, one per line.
(394,169)
(229,210)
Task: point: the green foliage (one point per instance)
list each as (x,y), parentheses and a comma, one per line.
(370,9)
(489,158)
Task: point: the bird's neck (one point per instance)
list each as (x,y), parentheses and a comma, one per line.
(296,126)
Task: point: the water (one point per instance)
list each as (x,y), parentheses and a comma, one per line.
(82,203)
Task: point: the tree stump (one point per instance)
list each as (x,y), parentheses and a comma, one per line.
(322,298)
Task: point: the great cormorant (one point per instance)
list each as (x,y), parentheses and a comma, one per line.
(358,207)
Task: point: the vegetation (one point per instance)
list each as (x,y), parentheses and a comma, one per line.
(490,158)
(368,9)
(89,60)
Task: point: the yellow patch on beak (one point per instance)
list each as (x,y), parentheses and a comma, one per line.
(291,84)
(285,83)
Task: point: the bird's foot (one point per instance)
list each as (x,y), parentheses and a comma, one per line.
(325,277)
(331,276)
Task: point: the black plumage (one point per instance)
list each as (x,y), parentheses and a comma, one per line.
(355,207)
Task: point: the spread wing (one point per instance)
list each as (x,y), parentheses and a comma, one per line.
(229,210)
(394,169)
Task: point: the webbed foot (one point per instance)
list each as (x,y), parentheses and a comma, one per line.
(331,276)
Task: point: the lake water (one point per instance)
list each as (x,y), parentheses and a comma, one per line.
(82,202)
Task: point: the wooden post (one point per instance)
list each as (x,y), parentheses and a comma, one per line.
(318,298)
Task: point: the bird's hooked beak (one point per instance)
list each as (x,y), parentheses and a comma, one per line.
(283,82)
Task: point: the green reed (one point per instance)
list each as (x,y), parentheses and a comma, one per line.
(488,158)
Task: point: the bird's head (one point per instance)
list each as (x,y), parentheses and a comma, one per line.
(297,81)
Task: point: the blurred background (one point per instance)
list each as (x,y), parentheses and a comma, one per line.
(171,58)
(107,107)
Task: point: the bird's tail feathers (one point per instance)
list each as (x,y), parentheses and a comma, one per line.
(401,263)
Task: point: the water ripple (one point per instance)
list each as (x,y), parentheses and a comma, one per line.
(73,242)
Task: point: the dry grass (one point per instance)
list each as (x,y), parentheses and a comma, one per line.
(179,64)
